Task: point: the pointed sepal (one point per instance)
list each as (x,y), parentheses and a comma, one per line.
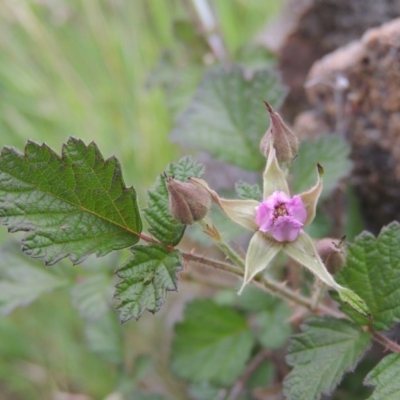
(260,253)
(355,302)
(274,177)
(311,196)
(304,252)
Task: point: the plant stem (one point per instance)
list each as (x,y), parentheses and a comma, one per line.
(383,340)
(266,285)
(251,367)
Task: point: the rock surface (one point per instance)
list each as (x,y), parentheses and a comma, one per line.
(309,29)
(355,90)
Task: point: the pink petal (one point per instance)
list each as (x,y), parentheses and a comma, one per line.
(286,229)
(296,209)
(264,218)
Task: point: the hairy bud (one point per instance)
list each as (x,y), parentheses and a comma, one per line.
(332,253)
(283,139)
(188,202)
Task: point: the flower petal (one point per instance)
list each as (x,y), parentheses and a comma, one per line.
(286,229)
(265,217)
(311,196)
(274,177)
(296,209)
(260,253)
(304,252)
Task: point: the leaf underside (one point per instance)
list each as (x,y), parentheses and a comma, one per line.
(73,205)
(145,279)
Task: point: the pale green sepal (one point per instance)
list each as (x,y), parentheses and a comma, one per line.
(243,212)
(260,253)
(355,302)
(311,196)
(304,252)
(274,177)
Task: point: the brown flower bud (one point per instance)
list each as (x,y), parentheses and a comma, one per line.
(188,202)
(332,253)
(283,139)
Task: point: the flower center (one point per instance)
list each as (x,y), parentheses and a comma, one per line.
(280,211)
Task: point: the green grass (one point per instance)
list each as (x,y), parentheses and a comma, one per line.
(81,68)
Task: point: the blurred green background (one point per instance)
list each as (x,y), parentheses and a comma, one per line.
(116,72)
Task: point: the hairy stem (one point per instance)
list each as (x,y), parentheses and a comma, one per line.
(265,284)
(383,340)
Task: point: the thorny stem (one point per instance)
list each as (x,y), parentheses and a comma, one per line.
(251,367)
(265,284)
(383,340)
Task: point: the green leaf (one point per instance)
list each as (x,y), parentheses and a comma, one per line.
(273,327)
(23,280)
(92,296)
(320,355)
(73,205)
(373,272)
(162,226)
(145,278)
(246,191)
(227,117)
(212,344)
(332,152)
(385,376)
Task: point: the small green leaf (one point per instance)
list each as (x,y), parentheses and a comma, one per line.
(373,272)
(145,278)
(212,344)
(22,280)
(320,355)
(162,225)
(227,117)
(330,151)
(245,191)
(385,376)
(73,205)
(92,296)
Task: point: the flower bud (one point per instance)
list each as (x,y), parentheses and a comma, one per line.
(332,254)
(283,139)
(188,202)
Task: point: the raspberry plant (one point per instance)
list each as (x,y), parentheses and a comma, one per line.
(74,204)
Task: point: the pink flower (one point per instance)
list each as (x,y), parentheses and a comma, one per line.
(281,216)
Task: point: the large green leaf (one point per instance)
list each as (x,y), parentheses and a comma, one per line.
(227,116)
(320,355)
(72,205)
(332,152)
(22,280)
(212,344)
(166,229)
(373,272)
(145,278)
(385,376)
